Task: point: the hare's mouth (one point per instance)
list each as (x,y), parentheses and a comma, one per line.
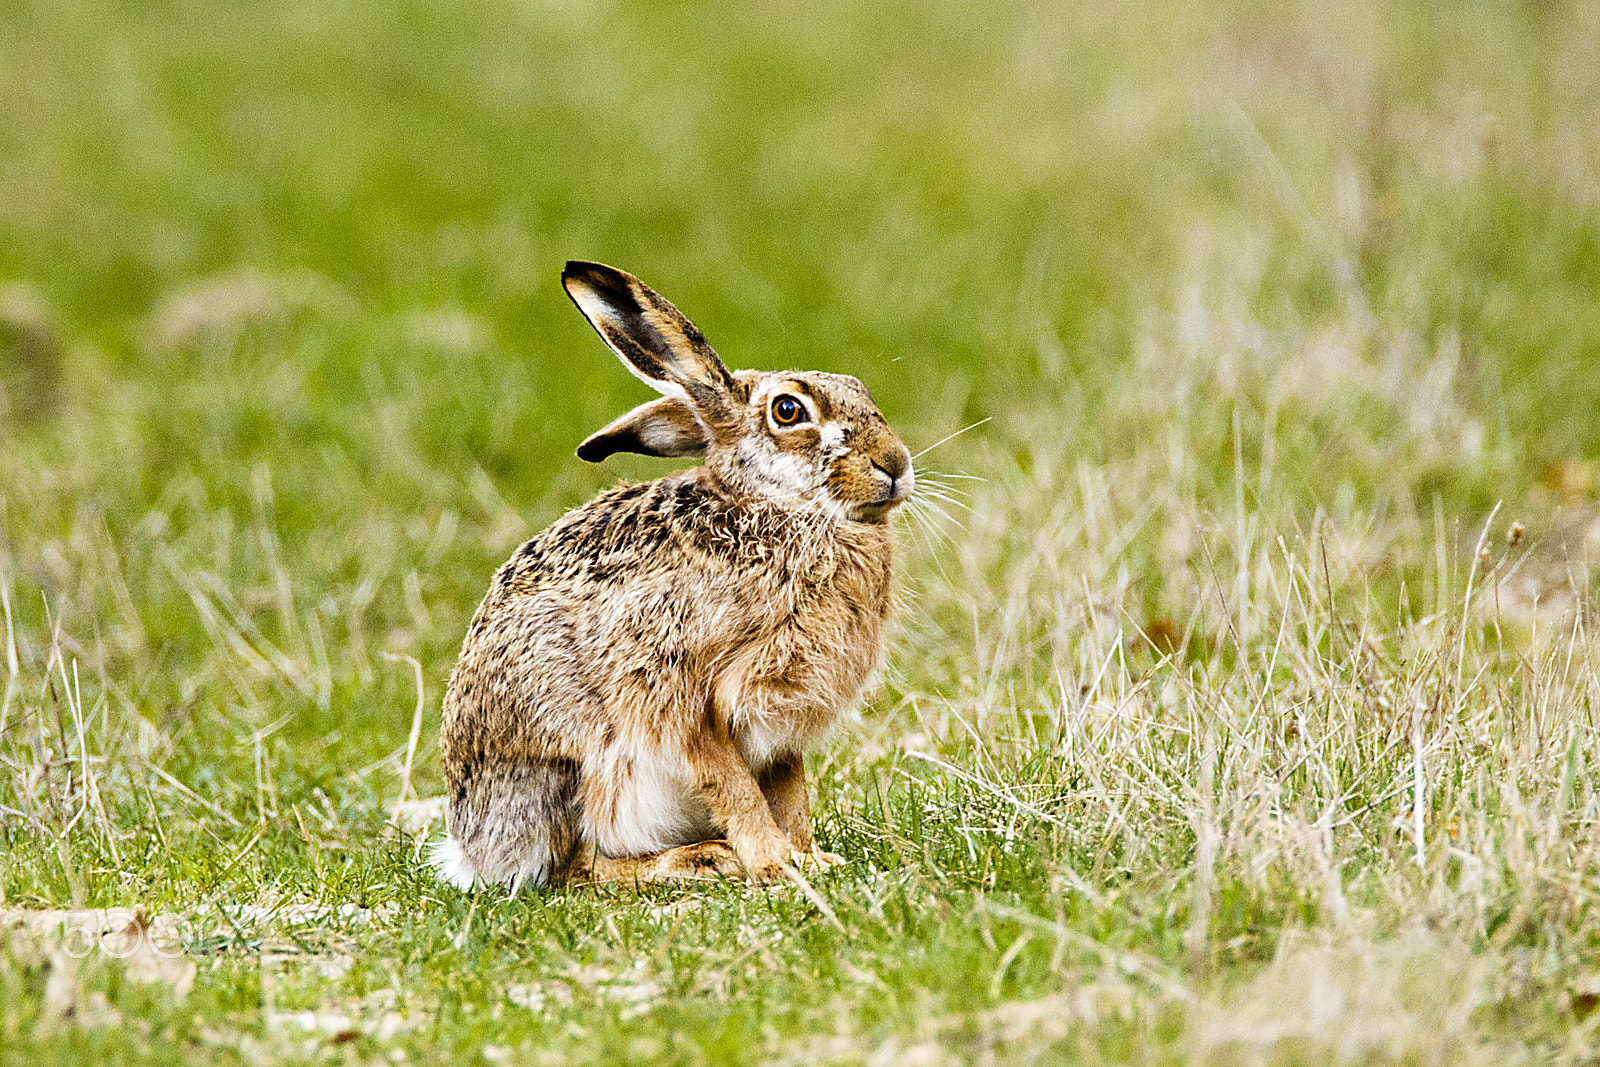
(890,491)
(871,514)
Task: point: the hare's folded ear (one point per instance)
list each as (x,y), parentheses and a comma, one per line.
(664,427)
(655,341)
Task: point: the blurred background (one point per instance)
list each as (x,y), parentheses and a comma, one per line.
(1264,321)
(287,370)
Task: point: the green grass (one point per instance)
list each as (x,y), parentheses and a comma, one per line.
(1208,736)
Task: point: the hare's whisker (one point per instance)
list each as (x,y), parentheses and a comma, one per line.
(936,477)
(936,494)
(937,510)
(948,490)
(927,536)
(952,437)
(930,498)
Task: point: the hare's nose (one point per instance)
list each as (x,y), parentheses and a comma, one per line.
(896,471)
(895,464)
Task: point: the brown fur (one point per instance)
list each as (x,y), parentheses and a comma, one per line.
(645,675)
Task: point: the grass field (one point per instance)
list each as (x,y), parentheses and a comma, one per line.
(1243,710)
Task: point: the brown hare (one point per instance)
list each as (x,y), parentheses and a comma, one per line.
(636,691)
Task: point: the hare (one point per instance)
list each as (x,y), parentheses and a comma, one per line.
(636,691)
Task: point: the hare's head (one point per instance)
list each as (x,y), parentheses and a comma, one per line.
(801,438)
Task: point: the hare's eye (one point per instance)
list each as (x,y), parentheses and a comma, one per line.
(787,411)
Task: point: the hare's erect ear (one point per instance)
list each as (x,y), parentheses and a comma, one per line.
(655,341)
(664,427)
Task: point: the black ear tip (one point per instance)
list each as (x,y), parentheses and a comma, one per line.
(592,275)
(592,452)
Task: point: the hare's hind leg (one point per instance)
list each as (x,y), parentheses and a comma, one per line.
(701,861)
(515,824)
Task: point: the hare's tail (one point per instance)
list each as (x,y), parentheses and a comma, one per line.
(450,860)
(513,825)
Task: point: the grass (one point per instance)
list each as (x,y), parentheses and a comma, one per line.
(1243,710)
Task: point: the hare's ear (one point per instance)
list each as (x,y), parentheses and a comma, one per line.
(655,341)
(664,427)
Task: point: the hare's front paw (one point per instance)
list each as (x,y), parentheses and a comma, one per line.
(765,857)
(812,861)
(821,859)
(774,858)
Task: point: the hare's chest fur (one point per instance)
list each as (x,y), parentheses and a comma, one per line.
(781,694)
(777,692)
(781,690)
